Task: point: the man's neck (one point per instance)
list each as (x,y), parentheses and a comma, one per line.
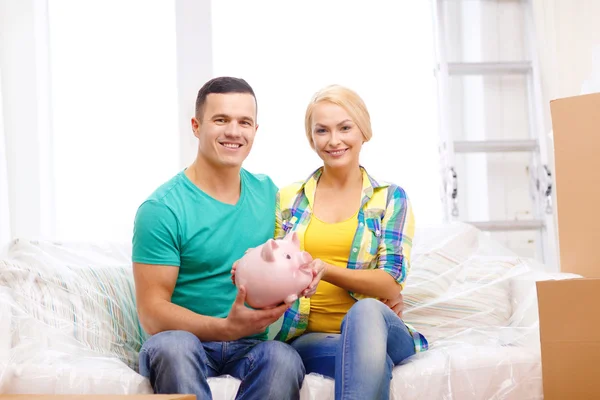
(223,184)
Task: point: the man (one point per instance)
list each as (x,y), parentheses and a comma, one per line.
(187,235)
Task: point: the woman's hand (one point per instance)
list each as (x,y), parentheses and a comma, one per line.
(396,304)
(319,269)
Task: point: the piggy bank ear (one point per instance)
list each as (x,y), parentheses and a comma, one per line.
(294,239)
(267,250)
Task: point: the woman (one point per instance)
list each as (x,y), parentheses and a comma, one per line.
(359,233)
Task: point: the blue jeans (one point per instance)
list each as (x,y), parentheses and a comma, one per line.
(177,362)
(373,340)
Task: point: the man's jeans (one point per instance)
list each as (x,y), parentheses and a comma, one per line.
(177,362)
(373,340)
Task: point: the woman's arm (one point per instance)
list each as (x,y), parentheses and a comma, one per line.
(373,282)
(387,280)
(397,233)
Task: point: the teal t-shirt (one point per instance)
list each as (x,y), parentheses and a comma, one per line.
(180,225)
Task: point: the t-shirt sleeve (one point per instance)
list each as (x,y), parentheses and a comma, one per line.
(272,187)
(156,235)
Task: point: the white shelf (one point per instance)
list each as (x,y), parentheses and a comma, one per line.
(504,226)
(489,68)
(495,146)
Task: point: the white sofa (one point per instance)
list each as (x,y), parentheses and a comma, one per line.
(68,323)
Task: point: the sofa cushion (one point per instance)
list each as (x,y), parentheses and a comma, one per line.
(51,372)
(69,293)
(455,285)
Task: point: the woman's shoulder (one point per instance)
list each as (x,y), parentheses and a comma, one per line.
(287,193)
(395,193)
(389,188)
(294,186)
(395,190)
(297,186)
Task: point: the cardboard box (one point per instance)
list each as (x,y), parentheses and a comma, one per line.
(569,310)
(576,126)
(570,337)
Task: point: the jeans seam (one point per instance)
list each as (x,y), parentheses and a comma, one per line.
(223,357)
(150,362)
(250,368)
(343,363)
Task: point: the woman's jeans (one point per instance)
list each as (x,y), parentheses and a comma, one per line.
(372,341)
(177,362)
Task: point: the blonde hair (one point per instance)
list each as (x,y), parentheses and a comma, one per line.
(349,101)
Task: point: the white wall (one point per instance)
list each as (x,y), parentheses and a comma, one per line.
(490,186)
(27,121)
(193,24)
(568,33)
(5,226)
(568,43)
(385,53)
(115,114)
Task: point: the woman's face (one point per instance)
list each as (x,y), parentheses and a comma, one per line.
(336,137)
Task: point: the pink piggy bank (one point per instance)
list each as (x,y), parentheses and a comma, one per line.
(274,272)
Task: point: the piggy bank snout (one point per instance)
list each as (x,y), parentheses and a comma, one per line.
(303,258)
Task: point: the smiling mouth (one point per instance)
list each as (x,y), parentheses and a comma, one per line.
(336,153)
(232,146)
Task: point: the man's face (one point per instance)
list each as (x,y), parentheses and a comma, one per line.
(226,128)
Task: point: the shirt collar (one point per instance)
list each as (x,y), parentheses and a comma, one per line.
(309,186)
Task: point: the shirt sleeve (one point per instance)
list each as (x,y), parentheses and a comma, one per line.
(279,233)
(398,229)
(156,235)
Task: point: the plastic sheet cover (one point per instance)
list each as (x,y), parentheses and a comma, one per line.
(68,322)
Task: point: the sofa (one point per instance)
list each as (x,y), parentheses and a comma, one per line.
(68,322)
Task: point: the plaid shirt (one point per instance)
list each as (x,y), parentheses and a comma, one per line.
(383,239)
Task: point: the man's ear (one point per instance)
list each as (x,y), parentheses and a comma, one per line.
(256,129)
(195,126)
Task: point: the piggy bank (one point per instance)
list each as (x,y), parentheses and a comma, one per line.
(274,272)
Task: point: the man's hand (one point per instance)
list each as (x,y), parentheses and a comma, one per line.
(233,267)
(243,321)
(396,304)
(319,269)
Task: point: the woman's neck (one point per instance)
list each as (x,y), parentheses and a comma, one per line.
(338,178)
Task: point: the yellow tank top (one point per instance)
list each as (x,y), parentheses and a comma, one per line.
(331,243)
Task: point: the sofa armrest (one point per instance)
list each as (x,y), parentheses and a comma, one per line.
(524,296)
(6,332)
(6,323)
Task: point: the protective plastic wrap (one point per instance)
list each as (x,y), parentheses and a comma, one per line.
(68,322)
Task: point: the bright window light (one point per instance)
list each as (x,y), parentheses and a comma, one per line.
(384,51)
(114,111)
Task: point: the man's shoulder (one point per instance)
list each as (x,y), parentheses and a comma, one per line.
(169,188)
(262,181)
(163,201)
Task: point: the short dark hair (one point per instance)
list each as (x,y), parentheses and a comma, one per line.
(222,84)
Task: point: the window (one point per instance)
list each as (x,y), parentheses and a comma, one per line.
(287,52)
(114,111)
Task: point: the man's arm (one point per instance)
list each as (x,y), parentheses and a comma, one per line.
(154,285)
